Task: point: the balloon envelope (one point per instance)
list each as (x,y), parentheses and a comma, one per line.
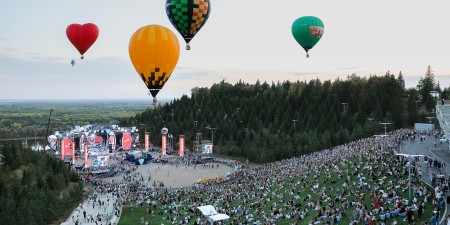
(188,16)
(307,31)
(154,51)
(82,36)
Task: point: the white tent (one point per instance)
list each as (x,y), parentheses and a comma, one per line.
(212,214)
(207,210)
(219,217)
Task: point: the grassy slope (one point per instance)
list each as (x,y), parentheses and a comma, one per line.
(133,216)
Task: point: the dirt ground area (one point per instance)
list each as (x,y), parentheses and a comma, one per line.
(171,175)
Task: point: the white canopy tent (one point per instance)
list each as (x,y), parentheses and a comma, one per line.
(207,210)
(212,214)
(219,217)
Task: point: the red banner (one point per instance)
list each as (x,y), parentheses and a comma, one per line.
(85,156)
(72,145)
(98,139)
(147,141)
(126,141)
(181,146)
(64,147)
(163,145)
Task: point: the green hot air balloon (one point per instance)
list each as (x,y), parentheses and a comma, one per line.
(307,31)
(188,16)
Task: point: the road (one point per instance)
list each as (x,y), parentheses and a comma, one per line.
(429,149)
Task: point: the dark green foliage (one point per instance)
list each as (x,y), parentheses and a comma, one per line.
(413,105)
(31,187)
(257,121)
(425,86)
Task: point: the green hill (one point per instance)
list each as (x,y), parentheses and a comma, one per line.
(268,122)
(35,188)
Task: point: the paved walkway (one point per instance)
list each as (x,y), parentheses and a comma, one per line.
(105,211)
(428,148)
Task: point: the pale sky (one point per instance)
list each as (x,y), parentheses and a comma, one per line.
(242,39)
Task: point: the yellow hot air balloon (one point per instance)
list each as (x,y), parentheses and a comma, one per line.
(154,51)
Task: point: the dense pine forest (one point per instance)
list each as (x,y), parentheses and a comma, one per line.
(35,188)
(266,122)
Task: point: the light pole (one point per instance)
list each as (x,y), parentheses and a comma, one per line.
(429,118)
(385,124)
(48,125)
(172,115)
(409,172)
(417,101)
(35,126)
(212,137)
(344,104)
(198,137)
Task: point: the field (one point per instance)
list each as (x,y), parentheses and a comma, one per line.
(293,191)
(29,118)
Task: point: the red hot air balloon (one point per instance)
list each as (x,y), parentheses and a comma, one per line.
(82,36)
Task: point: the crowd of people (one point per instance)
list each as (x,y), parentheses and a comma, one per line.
(362,182)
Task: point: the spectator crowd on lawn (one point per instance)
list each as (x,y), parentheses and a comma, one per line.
(363,182)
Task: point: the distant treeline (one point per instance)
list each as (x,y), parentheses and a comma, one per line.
(22,119)
(34,187)
(267,122)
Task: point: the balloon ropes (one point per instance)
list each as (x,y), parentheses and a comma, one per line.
(188,16)
(307,31)
(82,36)
(154,51)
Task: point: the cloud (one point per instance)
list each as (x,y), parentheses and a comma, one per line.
(190,74)
(9,49)
(347,68)
(16,54)
(40,58)
(111,59)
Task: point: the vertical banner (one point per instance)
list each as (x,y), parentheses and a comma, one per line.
(163,145)
(181,145)
(112,141)
(207,149)
(126,141)
(85,156)
(146,141)
(52,139)
(72,144)
(81,142)
(64,147)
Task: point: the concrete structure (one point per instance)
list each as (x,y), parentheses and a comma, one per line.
(443,115)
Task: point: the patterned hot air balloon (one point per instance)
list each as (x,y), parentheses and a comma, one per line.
(154,52)
(307,31)
(188,16)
